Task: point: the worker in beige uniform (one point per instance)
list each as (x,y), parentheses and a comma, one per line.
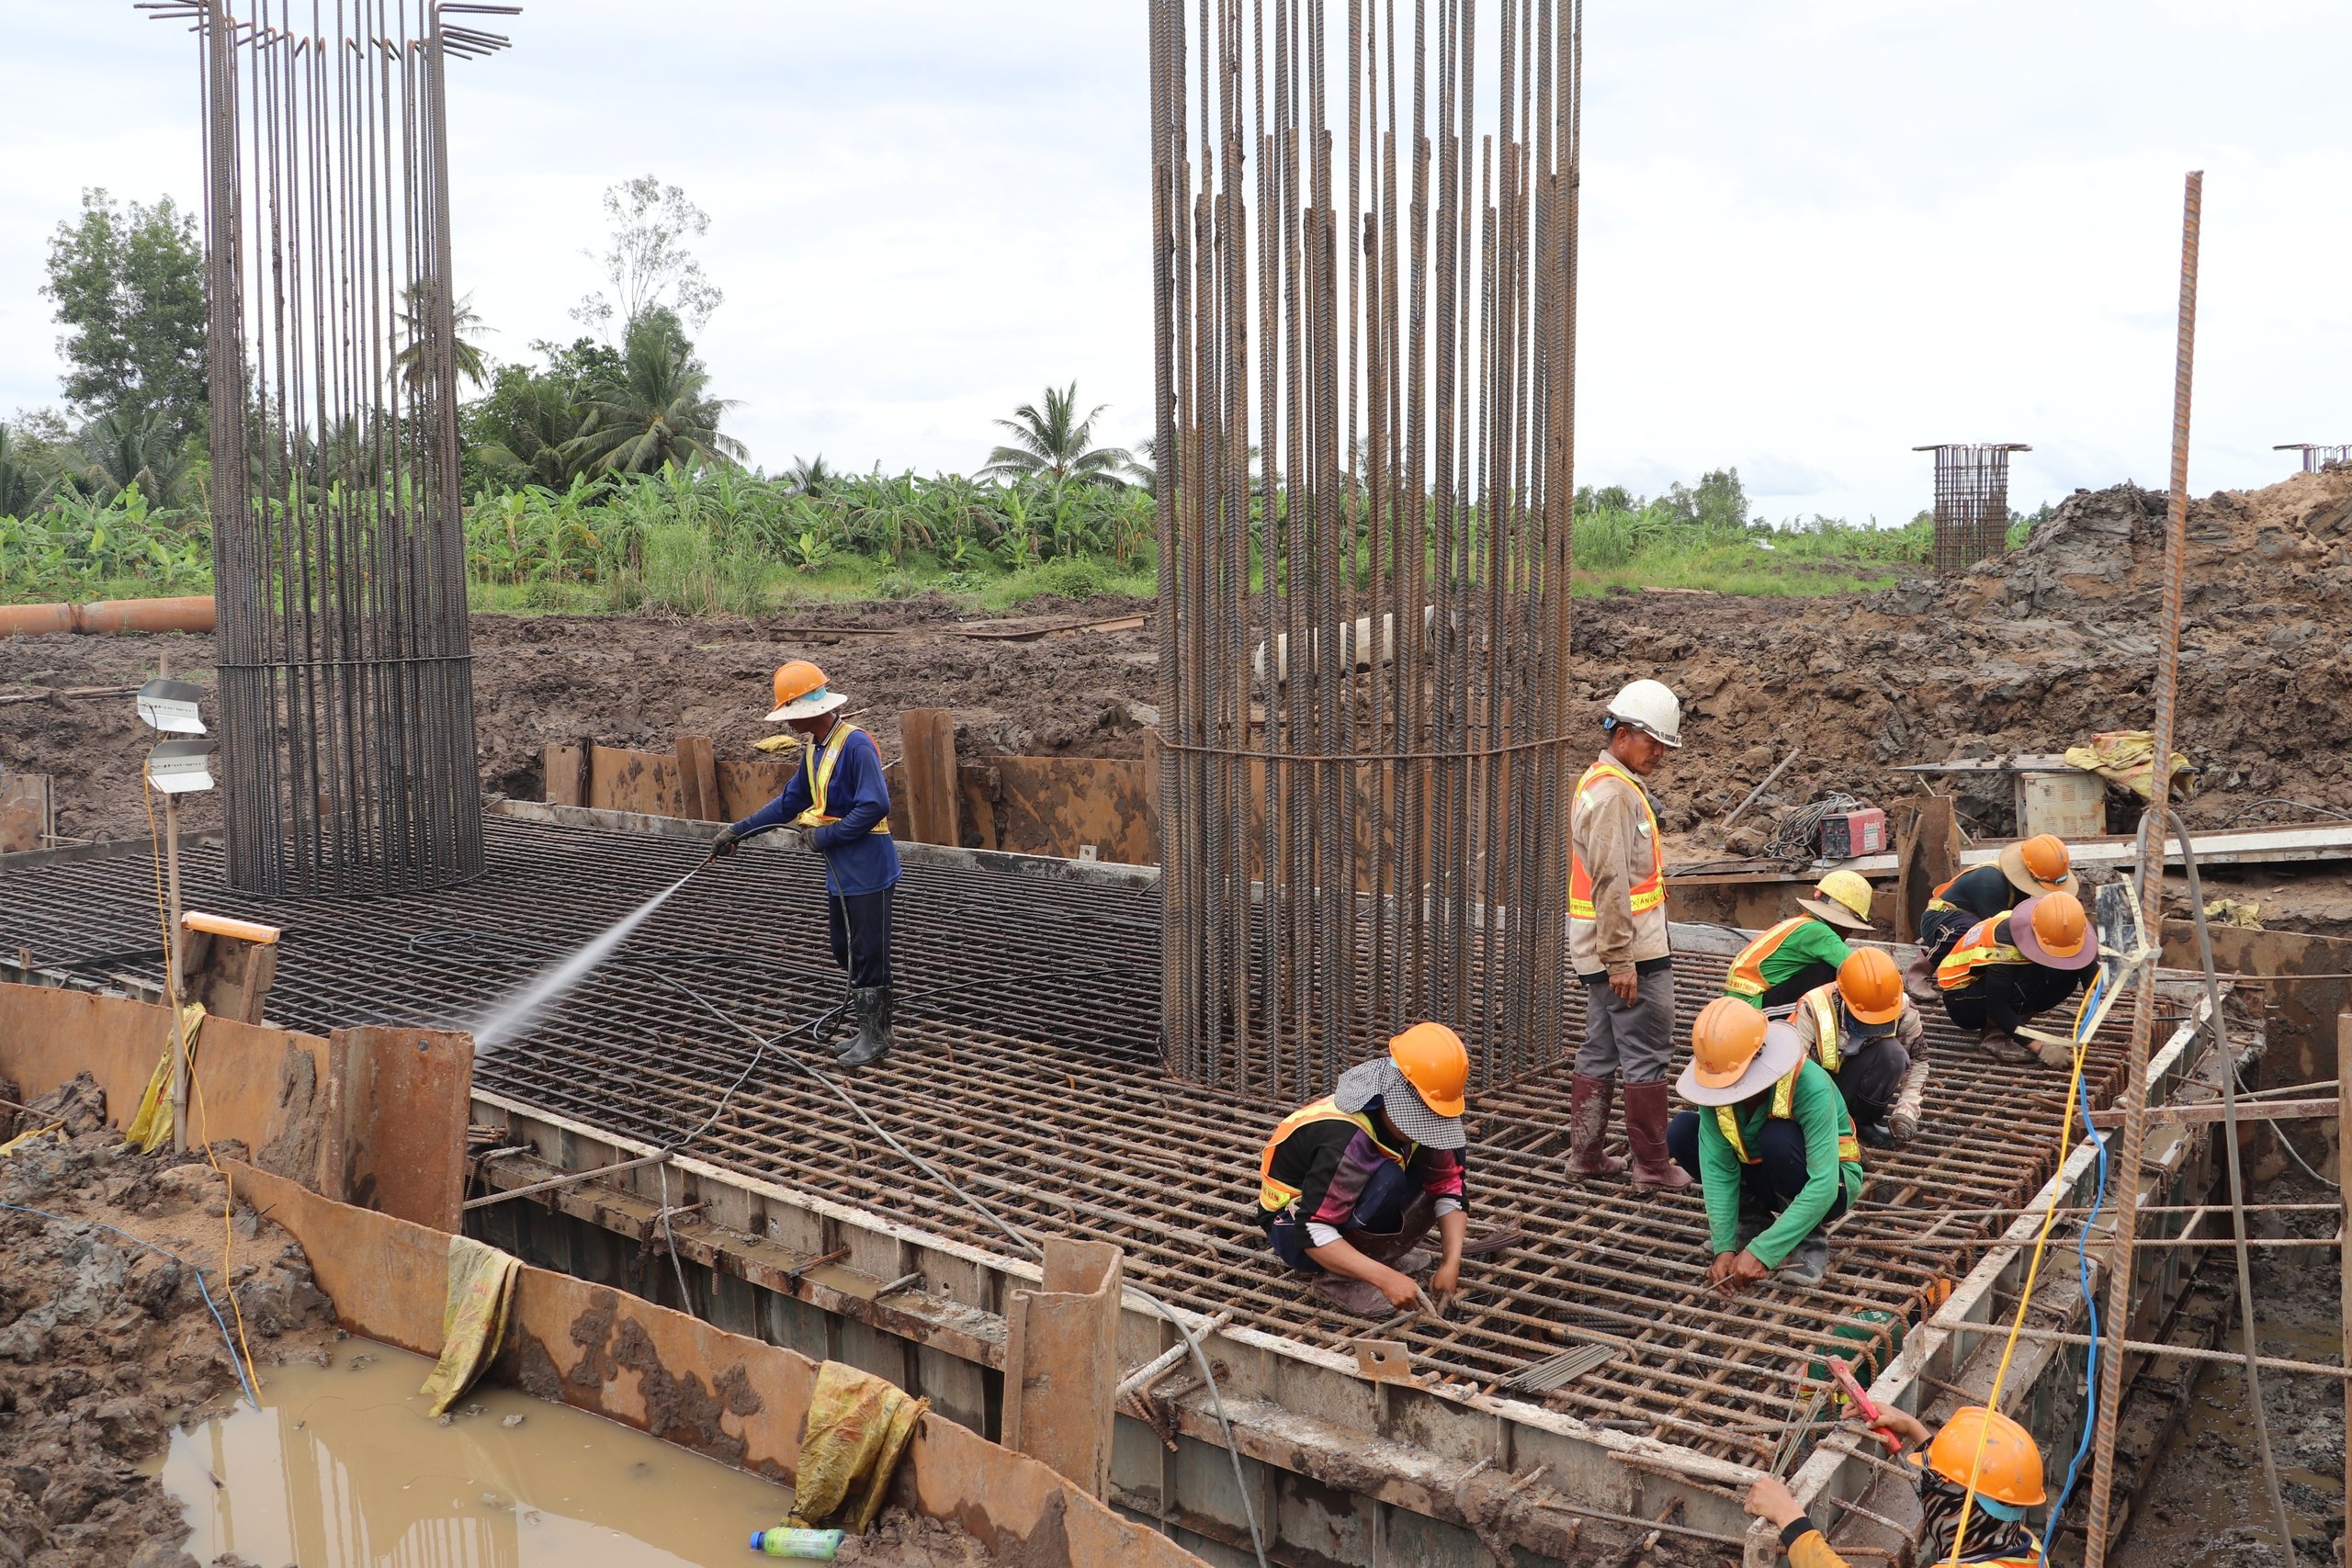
(1617,941)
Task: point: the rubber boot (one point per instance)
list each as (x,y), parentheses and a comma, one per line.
(1808,1263)
(872,1004)
(1358,1298)
(1588,1100)
(1919,979)
(2004,1047)
(1401,1244)
(1645,1131)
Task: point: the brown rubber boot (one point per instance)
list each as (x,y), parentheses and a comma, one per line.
(1920,979)
(1645,1131)
(1588,1100)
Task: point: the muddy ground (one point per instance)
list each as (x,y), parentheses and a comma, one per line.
(106,1343)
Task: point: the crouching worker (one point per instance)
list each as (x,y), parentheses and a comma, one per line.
(1771,1145)
(2016,967)
(2008,1481)
(1803,951)
(1865,1035)
(1349,1185)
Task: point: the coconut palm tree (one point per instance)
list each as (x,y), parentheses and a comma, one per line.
(654,407)
(121,448)
(416,325)
(810,476)
(529,424)
(1056,446)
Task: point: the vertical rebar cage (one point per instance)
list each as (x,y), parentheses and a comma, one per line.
(1972,502)
(2317,458)
(1365,282)
(345,675)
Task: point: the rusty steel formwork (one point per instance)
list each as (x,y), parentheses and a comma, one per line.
(1972,502)
(1365,285)
(2317,458)
(1028,1073)
(346,684)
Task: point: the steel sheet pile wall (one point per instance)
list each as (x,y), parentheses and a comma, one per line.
(1972,502)
(346,687)
(1365,425)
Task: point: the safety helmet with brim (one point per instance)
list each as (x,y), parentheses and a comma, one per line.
(2053,931)
(1736,1052)
(802,692)
(1651,707)
(1382,1080)
(2040,865)
(1842,899)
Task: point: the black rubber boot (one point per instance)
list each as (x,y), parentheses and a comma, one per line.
(873,1005)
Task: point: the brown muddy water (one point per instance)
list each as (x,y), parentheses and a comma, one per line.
(342,1468)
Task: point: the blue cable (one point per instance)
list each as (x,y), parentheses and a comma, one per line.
(2083,1276)
(219,1321)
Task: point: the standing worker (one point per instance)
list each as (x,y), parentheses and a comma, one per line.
(1803,951)
(2024,870)
(2001,1456)
(1349,1184)
(1618,942)
(2016,966)
(839,797)
(1770,1143)
(1867,1035)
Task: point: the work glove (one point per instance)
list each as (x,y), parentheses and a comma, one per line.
(725,843)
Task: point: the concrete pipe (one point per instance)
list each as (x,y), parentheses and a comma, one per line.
(32,620)
(192,614)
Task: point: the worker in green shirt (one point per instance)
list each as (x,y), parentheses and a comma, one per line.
(1803,951)
(1771,1145)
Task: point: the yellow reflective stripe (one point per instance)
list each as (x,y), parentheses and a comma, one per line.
(1829,1030)
(1274,1196)
(1960,966)
(820,779)
(1784,1096)
(1729,1125)
(1747,975)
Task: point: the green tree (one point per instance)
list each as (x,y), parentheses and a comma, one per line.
(27,473)
(123,449)
(809,475)
(654,407)
(416,325)
(1056,445)
(128,283)
(647,267)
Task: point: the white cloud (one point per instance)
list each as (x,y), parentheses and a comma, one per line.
(1816,235)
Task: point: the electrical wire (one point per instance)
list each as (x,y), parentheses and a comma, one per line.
(1793,836)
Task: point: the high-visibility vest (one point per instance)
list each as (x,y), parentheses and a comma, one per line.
(1828,1026)
(1745,979)
(1980,948)
(1650,891)
(821,765)
(1828,1554)
(1784,1109)
(1275,1196)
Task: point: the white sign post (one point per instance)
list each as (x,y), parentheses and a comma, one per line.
(175,768)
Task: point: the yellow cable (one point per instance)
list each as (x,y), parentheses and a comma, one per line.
(172,1003)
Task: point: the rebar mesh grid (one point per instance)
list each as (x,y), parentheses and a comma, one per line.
(1034,1081)
(1972,502)
(346,684)
(1363,419)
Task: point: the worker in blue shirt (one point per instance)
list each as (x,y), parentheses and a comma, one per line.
(840,800)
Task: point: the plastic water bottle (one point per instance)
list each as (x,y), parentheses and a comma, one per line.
(818,1545)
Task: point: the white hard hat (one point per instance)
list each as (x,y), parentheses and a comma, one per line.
(1651,708)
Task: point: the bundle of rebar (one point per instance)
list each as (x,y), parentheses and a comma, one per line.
(1364,427)
(346,686)
(1972,502)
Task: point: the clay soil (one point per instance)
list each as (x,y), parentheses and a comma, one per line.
(106,1343)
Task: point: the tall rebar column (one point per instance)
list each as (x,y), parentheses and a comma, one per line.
(1972,502)
(346,684)
(2317,458)
(1365,421)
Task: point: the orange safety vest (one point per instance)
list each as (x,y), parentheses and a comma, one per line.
(1650,891)
(1275,1196)
(1979,949)
(1828,1026)
(820,766)
(1784,1109)
(1746,976)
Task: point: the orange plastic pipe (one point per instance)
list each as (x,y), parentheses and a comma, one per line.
(193,613)
(32,620)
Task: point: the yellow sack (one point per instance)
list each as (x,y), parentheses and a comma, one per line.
(2243,913)
(152,1128)
(2128,757)
(784,741)
(858,1426)
(56,1131)
(473,1320)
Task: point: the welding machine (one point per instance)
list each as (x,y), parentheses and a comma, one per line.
(1846,834)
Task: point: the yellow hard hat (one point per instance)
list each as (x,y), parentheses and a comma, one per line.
(1843,900)
(2009,1469)
(801,692)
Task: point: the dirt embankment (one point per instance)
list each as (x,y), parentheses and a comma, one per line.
(105,1343)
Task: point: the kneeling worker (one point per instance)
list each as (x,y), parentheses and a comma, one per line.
(1772,1146)
(2016,966)
(839,797)
(2003,1457)
(2025,869)
(1865,1035)
(1348,1184)
(1803,951)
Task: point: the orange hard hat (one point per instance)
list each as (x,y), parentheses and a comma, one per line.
(2060,927)
(1435,1063)
(801,690)
(2008,1470)
(2038,864)
(1870,985)
(1725,1039)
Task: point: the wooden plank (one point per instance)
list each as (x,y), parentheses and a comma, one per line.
(27,813)
(644,781)
(566,767)
(698,779)
(976,783)
(402,1098)
(927,774)
(2207,1115)
(1930,857)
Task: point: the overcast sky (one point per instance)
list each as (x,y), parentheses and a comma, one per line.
(1817,232)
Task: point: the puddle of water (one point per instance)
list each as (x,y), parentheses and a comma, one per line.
(343,1469)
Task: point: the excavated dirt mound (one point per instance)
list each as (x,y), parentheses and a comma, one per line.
(106,1343)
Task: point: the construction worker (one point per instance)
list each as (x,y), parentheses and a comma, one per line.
(1772,1146)
(840,800)
(2015,967)
(1617,941)
(1867,1035)
(1803,951)
(2024,870)
(1349,1184)
(2001,1455)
